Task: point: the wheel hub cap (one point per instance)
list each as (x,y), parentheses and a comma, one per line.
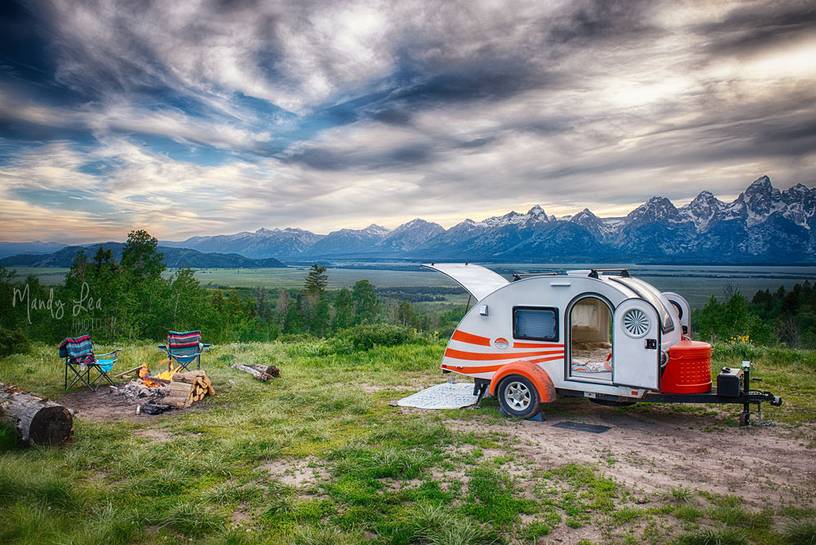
(517,396)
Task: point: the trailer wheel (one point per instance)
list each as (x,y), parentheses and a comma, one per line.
(518,397)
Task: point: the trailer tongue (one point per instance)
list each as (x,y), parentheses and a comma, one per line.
(733,386)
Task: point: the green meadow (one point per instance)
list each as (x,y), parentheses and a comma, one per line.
(320,456)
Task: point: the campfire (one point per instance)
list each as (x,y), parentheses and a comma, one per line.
(171,389)
(147,380)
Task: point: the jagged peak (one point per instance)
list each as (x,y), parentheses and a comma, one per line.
(704,195)
(585,213)
(276,230)
(655,208)
(703,201)
(799,189)
(659,200)
(763,182)
(416,223)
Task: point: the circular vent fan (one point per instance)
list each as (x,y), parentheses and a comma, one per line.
(636,323)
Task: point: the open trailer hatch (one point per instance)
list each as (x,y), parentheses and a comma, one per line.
(480,282)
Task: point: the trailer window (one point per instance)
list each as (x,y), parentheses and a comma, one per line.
(535,323)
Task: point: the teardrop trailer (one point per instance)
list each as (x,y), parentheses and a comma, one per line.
(600,334)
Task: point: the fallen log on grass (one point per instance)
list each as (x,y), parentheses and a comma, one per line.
(260,372)
(36,420)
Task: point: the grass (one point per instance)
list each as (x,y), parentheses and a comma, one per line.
(380,475)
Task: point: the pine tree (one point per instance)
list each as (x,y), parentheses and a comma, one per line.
(316,281)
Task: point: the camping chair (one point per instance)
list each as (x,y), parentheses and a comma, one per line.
(81,361)
(184,347)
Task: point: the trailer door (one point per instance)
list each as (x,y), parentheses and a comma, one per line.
(636,345)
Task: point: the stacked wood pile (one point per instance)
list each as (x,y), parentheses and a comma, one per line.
(260,372)
(37,421)
(187,388)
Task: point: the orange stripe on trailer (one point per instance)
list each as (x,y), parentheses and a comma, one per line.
(536,345)
(470,338)
(471,368)
(467,369)
(481,356)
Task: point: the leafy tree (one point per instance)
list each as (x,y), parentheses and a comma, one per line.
(141,257)
(293,320)
(366,303)
(319,318)
(343,309)
(191,308)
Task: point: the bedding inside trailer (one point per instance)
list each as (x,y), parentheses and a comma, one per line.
(590,348)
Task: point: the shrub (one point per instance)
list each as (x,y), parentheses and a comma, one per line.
(13,341)
(367,336)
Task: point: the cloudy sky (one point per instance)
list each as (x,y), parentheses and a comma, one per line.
(206,117)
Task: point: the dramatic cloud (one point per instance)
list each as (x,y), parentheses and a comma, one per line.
(211,117)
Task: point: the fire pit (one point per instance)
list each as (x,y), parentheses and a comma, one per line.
(169,389)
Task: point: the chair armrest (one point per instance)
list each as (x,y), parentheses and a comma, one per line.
(204,346)
(111,353)
(163,347)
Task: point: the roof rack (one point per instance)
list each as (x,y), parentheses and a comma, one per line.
(521,276)
(621,272)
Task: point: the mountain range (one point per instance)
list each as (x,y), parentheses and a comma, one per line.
(173,258)
(763,225)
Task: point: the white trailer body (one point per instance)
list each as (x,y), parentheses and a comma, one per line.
(597,333)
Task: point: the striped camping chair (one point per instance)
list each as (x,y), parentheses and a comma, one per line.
(80,359)
(184,347)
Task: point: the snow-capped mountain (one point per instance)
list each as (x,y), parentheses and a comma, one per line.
(656,209)
(592,223)
(348,242)
(704,209)
(410,235)
(260,244)
(762,225)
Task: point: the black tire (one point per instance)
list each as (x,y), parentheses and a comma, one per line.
(518,397)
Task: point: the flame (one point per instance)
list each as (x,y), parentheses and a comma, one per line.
(168,375)
(144,376)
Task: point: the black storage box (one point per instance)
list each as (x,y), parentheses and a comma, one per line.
(729,382)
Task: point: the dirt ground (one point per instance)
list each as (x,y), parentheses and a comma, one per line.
(105,406)
(652,452)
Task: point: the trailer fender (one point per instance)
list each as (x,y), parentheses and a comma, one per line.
(538,376)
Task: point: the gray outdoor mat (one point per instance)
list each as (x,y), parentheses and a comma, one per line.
(582,426)
(450,395)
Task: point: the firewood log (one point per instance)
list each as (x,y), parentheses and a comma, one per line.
(188,376)
(263,376)
(36,420)
(268,369)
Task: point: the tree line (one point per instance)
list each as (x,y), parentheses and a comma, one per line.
(137,298)
(786,317)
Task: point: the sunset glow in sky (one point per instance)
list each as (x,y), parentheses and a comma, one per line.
(212,117)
